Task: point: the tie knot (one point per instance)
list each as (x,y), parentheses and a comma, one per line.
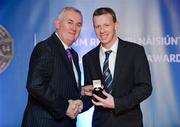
(68,51)
(107,53)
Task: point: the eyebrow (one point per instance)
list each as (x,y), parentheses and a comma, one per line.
(73,21)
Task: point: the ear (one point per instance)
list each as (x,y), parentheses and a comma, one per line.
(117,26)
(57,23)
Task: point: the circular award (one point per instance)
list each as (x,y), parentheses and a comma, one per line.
(6,49)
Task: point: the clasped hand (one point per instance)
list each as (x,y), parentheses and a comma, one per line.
(75,106)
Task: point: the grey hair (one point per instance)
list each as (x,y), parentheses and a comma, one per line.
(68,9)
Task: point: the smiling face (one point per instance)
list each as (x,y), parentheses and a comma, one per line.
(68,26)
(105,29)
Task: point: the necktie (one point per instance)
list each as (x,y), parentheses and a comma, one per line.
(106,73)
(68,51)
(70,57)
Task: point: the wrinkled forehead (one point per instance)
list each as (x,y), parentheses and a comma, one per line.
(73,16)
(66,12)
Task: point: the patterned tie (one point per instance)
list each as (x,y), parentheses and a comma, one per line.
(68,51)
(106,72)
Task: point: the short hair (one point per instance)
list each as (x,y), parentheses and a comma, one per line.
(68,9)
(105,10)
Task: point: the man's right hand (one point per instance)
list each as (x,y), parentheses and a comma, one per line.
(75,106)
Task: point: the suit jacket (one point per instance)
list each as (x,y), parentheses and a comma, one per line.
(50,84)
(131,85)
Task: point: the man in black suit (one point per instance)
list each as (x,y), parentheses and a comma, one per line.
(53,80)
(124,71)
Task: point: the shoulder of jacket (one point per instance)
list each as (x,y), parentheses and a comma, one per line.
(92,52)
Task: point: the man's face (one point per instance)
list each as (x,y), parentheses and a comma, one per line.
(69,27)
(105,29)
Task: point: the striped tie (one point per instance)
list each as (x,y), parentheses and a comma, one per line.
(106,73)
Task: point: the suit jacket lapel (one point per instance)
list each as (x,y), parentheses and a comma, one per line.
(76,62)
(119,61)
(96,62)
(64,56)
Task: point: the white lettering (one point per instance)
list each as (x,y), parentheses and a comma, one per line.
(158,58)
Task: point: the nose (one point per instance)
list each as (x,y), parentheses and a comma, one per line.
(102,30)
(73,27)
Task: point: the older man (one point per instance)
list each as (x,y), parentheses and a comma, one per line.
(53,80)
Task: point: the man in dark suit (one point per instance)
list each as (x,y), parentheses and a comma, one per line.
(53,80)
(124,71)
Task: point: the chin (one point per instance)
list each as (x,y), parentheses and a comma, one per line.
(104,41)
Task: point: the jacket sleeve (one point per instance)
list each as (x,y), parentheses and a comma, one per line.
(38,82)
(87,103)
(142,86)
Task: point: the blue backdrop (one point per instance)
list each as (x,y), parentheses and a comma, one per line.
(153,24)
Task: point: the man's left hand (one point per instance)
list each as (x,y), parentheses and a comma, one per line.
(106,103)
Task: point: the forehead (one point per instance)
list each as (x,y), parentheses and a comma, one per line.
(103,18)
(72,15)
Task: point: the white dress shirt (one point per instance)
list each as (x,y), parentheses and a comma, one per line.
(112,57)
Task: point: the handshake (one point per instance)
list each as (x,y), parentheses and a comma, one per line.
(99,98)
(76,106)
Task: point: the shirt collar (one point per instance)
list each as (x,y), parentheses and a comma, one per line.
(113,48)
(65,46)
